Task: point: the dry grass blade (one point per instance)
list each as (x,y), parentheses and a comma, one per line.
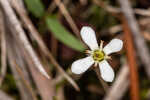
(21,35)
(3,48)
(23,92)
(44,85)
(13,56)
(36,36)
(120,85)
(25,82)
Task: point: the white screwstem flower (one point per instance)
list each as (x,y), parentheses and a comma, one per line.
(97,55)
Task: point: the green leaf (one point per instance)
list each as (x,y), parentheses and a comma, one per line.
(35,7)
(63,35)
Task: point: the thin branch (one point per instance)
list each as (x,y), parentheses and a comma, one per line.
(131,57)
(138,38)
(142,12)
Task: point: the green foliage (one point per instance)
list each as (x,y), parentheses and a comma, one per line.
(62,34)
(35,7)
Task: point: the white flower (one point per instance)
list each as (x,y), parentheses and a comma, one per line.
(97,55)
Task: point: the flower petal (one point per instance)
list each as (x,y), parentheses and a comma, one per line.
(82,65)
(88,36)
(114,45)
(106,71)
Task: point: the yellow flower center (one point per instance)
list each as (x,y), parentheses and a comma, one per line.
(98,55)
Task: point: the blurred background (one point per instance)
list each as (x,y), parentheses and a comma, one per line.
(37,34)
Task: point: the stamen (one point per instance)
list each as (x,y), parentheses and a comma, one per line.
(108,57)
(101,45)
(88,52)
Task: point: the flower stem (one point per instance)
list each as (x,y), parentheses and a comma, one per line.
(104,84)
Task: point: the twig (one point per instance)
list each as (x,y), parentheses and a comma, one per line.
(139,40)
(131,57)
(142,12)
(37,37)
(66,14)
(52,6)
(114,10)
(21,35)
(119,87)
(3,49)
(143,22)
